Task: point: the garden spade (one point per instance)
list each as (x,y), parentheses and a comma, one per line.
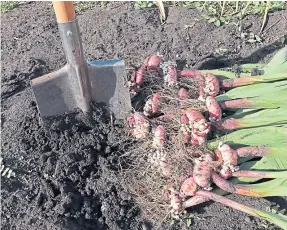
(79,82)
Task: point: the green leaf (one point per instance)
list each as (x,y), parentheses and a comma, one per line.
(275,187)
(252,90)
(269,77)
(261,116)
(277,219)
(212,20)
(265,117)
(264,101)
(278,64)
(197,4)
(243,112)
(271,100)
(207,17)
(222,19)
(188,222)
(274,137)
(211,9)
(217,23)
(249,67)
(265,164)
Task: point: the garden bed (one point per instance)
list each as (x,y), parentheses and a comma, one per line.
(67,178)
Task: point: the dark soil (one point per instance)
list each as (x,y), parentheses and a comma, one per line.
(66,178)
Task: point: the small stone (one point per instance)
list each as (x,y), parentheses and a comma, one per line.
(88,216)
(108,150)
(122,212)
(247,219)
(98,147)
(144,227)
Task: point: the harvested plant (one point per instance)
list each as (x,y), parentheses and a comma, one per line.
(203,134)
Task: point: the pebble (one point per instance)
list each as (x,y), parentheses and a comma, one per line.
(107,150)
(122,212)
(247,219)
(98,147)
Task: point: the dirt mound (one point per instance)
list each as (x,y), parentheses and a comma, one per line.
(62,176)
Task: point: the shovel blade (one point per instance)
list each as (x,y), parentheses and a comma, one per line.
(109,86)
(56,93)
(53,93)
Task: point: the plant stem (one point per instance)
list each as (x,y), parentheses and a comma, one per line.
(260,174)
(253,151)
(188,73)
(228,202)
(279,220)
(222,8)
(265,17)
(260,118)
(226,124)
(237,104)
(234,188)
(195,200)
(235,82)
(203,6)
(245,8)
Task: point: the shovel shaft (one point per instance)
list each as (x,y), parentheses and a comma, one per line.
(76,64)
(65,11)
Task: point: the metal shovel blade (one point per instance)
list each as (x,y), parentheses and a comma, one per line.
(56,93)
(109,85)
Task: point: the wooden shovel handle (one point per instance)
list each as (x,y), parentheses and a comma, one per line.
(65,11)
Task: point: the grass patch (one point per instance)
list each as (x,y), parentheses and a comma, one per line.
(224,12)
(8,5)
(144,4)
(221,13)
(83,6)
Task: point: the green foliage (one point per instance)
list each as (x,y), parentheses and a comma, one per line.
(271,136)
(255,90)
(275,218)
(189,217)
(83,6)
(270,100)
(8,5)
(144,4)
(259,7)
(224,12)
(276,209)
(275,163)
(262,118)
(275,187)
(278,64)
